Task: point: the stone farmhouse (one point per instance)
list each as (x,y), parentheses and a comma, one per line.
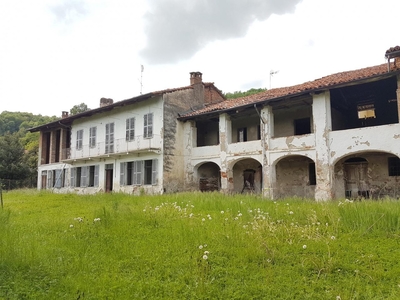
(334,137)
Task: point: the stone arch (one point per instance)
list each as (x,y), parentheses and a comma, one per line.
(367,174)
(295,177)
(246,175)
(208,176)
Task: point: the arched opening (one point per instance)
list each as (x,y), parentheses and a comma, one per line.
(371,175)
(209,177)
(247,176)
(295,177)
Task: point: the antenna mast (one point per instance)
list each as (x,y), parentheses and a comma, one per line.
(271,73)
(141,78)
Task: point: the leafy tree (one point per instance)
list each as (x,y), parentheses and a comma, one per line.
(76,109)
(239,94)
(12,162)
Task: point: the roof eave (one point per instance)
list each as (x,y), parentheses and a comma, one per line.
(314,90)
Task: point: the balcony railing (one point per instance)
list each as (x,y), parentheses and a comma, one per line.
(139,144)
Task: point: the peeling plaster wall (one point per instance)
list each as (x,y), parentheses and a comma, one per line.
(284,119)
(378,181)
(175,138)
(238,179)
(251,123)
(292,178)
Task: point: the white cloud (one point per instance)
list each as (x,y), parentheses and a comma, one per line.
(57,54)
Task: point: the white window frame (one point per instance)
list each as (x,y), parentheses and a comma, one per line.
(79,139)
(130,129)
(148,125)
(92,136)
(109,144)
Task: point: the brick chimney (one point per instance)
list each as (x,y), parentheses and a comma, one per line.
(106,102)
(64,114)
(195,77)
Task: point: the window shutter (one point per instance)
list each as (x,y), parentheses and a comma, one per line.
(58,178)
(122,174)
(49,179)
(154,177)
(84,173)
(96,175)
(137,171)
(73,175)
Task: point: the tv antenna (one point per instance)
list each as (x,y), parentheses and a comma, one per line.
(271,73)
(141,78)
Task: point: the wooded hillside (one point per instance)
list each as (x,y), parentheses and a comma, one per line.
(19,148)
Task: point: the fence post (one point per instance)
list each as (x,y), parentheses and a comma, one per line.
(1,197)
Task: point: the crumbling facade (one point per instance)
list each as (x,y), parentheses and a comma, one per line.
(334,137)
(133,146)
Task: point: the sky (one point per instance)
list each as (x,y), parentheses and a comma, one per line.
(55,54)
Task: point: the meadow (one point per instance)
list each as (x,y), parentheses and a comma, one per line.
(196,246)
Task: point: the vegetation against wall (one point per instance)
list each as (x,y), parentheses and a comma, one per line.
(19,148)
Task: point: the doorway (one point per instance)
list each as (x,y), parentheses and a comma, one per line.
(109,178)
(356,185)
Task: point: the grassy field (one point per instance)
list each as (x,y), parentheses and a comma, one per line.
(196,246)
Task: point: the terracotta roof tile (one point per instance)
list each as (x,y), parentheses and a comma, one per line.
(278,93)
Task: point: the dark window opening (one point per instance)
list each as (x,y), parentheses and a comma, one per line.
(78,177)
(47,152)
(311,174)
(242,135)
(91,176)
(394,166)
(302,126)
(148,167)
(58,144)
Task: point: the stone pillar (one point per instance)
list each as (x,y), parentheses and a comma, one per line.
(267,132)
(53,143)
(225,137)
(322,126)
(190,137)
(63,144)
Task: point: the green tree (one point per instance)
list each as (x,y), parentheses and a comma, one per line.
(239,94)
(12,162)
(76,109)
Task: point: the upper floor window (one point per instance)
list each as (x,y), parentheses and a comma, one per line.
(242,135)
(79,139)
(109,138)
(302,126)
(148,125)
(130,129)
(92,137)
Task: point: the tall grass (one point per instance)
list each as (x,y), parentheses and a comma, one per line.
(196,246)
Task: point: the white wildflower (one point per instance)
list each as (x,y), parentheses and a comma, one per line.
(333,237)
(304,246)
(203,219)
(222,212)
(96,220)
(205,257)
(201,247)
(71,226)
(291,213)
(206,252)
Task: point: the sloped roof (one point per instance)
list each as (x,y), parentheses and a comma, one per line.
(331,81)
(68,120)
